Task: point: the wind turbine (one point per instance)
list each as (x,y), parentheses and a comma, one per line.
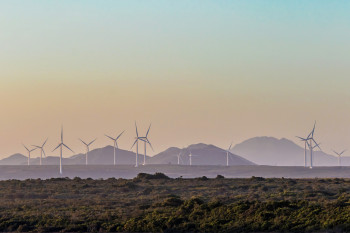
(115,140)
(305,149)
(227,154)
(137,138)
(87,149)
(311,147)
(29,151)
(191,155)
(179,158)
(41,150)
(146,141)
(61,145)
(339,156)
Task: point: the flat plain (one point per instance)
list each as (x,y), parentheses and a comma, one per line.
(173,171)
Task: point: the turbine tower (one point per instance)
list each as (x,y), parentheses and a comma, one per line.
(227,154)
(115,140)
(190,155)
(61,145)
(305,148)
(339,156)
(41,150)
(29,151)
(87,149)
(146,141)
(137,138)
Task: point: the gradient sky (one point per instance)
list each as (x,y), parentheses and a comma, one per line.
(200,71)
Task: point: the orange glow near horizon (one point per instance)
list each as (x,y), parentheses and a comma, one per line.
(199,71)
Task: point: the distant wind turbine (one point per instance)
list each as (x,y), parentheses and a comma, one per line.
(339,156)
(227,154)
(191,155)
(311,147)
(146,141)
(115,140)
(87,149)
(137,138)
(29,151)
(61,145)
(179,158)
(41,150)
(305,149)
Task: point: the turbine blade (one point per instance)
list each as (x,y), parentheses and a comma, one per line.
(133,144)
(62,133)
(32,150)
(137,134)
(230,146)
(303,139)
(343,152)
(148,129)
(44,142)
(57,147)
(317,144)
(181,160)
(313,130)
(44,153)
(92,142)
(150,144)
(110,137)
(119,135)
(83,142)
(26,148)
(308,144)
(142,139)
(309,136)
(68,147)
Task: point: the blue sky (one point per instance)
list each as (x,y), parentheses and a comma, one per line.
(236,58)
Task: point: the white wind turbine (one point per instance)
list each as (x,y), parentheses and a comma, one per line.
(227,154)
(179,158)
(87,149)
(137,138)
(42,151)
(115,140)
(146,141)
(191,155)
(310,137)
(29,151)
(339,156)
(61,145)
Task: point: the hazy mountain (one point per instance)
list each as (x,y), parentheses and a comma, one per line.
(101,156)
(203,154)
(168,156)
(16,159)
(105,156)
(281,152)
(258,150)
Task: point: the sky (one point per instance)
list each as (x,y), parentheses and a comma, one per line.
(199,71)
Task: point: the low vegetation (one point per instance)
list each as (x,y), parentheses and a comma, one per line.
(156,203)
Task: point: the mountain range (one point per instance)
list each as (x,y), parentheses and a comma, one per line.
(259,151)
(282,152)
(202,155)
